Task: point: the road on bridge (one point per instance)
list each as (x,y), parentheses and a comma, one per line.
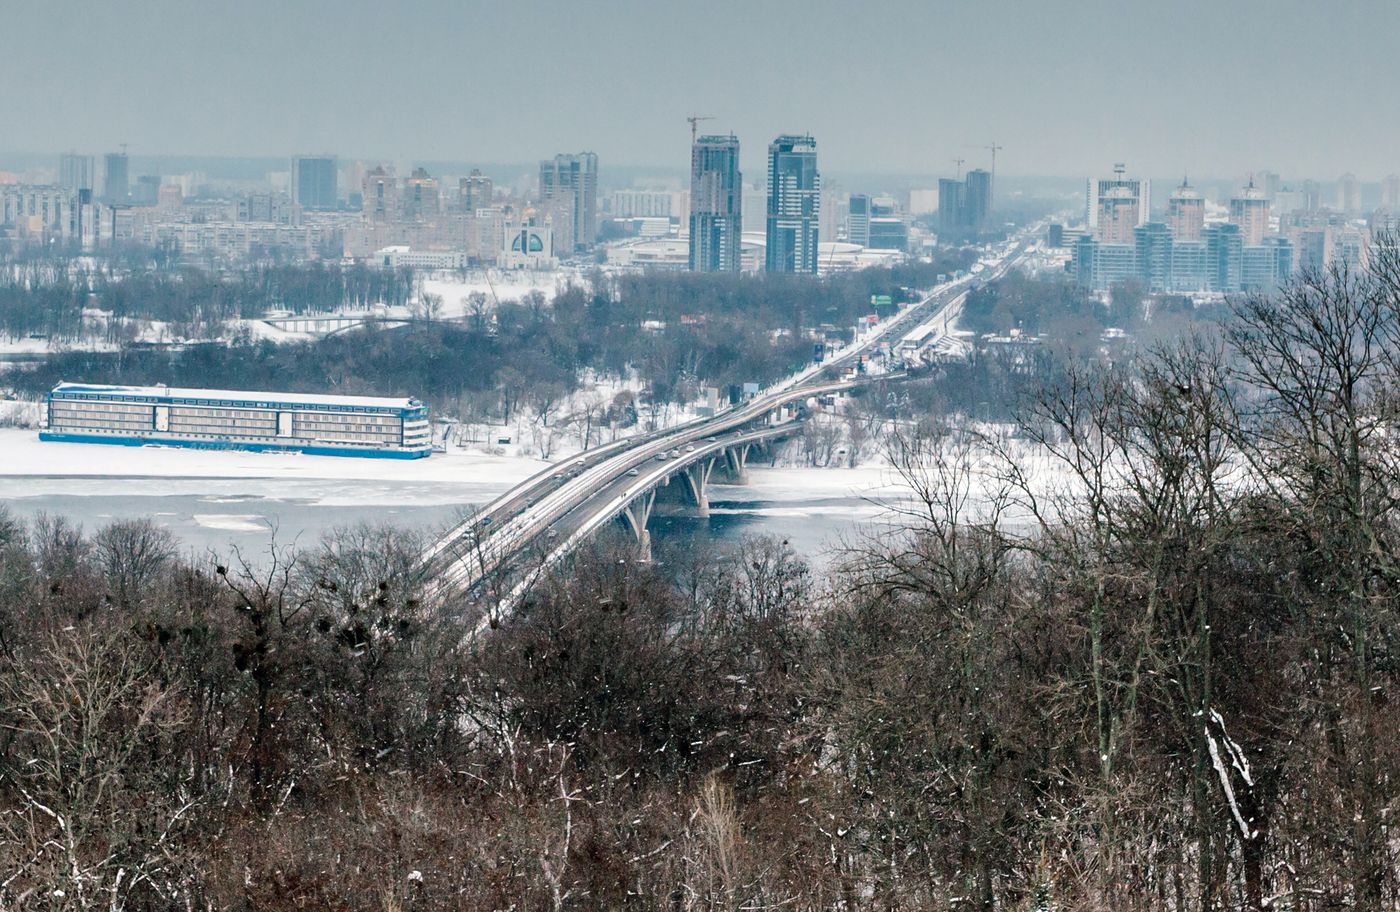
(551,513)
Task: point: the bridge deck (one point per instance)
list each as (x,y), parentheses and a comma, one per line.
(555,510)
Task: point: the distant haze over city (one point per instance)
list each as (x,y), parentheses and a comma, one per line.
(886,88)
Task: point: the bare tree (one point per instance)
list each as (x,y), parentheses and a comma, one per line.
(819,439)
(58,545)
(269,601)
(1322,360)
(94,822)
(131,554)
(713,856)
(478,314)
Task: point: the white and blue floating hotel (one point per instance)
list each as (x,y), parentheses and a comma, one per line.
(239,420)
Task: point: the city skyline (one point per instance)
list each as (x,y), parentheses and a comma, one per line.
(616,175)
(986,84)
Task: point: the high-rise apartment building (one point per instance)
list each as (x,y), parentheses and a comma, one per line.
(858,219)
(1186,212)
(950,206)
(1287,200)
(75,172)
(1102,266)
(1264,267)
(474,191)
(1218,262)
(963,206)
(146,192)
(977,199)
(1224,255)
(1250,210)
(1348,193)
(1269,182)
(315,182)
(1137,202)
(1349,247)
(716,204)
(794,205)
(1314,248)
(381,195)
(1119,211)
(1312,196)
(421,196)
(169,196)
(640,204)
(116,183)
(1390,192)
(834,208)
(570,182)
(680,206)
(1153,244)
(755,208)
(265,206)
(888,230)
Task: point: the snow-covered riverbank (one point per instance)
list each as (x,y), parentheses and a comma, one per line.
(23,454)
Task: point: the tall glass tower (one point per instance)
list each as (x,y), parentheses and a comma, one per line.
(794,204)
(977,199)
(314,181)
(570,182)
(75,172)
(716,204)
(115,186)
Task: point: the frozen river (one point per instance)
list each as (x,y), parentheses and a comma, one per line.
(218,514)
(247,513)
(223,500)
(811,508)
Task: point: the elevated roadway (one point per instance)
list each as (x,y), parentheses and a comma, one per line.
(548,515)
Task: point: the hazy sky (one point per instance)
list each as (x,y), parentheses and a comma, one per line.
(1216,88)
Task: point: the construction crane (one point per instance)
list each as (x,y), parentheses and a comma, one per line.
(994,149)
(959,163)
(694,121)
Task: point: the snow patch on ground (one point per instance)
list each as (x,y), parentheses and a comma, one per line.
(17,413)
(30,345)
(23,454)
(232,522)
(499,286)
(576,422)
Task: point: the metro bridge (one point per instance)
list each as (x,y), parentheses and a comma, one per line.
(549,515)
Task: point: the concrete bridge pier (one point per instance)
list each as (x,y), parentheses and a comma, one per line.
(736,463)
(697,477)
(636,515)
